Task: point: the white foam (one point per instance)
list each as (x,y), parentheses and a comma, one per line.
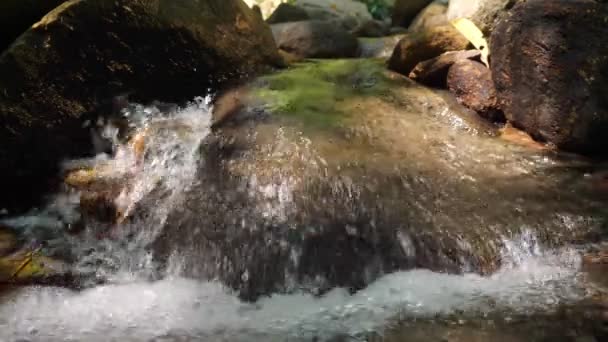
(141,311)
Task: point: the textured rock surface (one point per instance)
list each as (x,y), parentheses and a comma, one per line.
(286,13)
(60,72)
(343,172)
(471,83)
(435,14)
(417,47)
(382,47)
(371,28)
(315,39)
(434,72)
(16,16)
(550,67)
(406,10)
(323,9)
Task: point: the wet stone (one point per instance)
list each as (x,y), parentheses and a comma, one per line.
(8,241)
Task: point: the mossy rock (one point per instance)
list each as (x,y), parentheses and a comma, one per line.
(314,92)
(338,171)
(29,267)
(66,68)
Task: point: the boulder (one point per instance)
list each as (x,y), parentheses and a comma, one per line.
(434,72)
(435,14)
(59,74)
(406,10)
(471,83)
(417,47)
(16,16)
(381,47)
(484,13)
(336,172)
(286,13)
(324,10)
(371,28)
(315,39)
(550,68)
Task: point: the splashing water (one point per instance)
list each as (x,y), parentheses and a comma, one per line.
(130,307)
(182,308)
(162,157)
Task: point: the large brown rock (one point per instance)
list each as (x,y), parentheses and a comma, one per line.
(417,47)
(435,14)
(315,39)
(550,67)
(434,72)
(471,83)
(406,10)
(58,73)
(16,16)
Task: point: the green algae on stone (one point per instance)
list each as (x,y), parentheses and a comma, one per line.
(8,241)
(315,91)
(29,267)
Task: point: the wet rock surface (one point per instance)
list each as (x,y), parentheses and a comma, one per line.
(471,83)
(549,66)
(330,174)
(290,199)
(59,73)
(333,201)
(315,39)
(418,47)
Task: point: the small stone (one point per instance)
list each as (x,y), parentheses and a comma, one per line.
(315,39)
(471,83)
(434,72)
(417,47)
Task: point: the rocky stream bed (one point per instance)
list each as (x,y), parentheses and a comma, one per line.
(365,179)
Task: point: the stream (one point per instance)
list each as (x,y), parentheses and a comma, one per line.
(270,229)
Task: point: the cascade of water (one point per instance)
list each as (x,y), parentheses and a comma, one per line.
(131,308)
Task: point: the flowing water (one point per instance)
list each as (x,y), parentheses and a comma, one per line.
(127,293)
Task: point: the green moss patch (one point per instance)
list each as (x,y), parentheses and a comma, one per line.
(314,92)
